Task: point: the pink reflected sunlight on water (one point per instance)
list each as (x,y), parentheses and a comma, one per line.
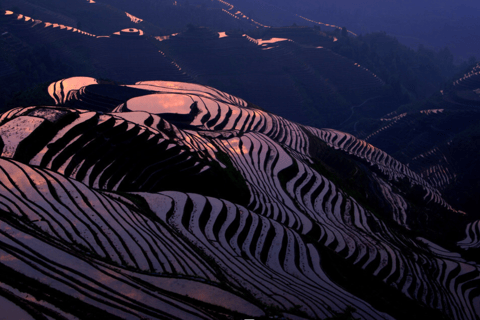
(270,41)
(161,103)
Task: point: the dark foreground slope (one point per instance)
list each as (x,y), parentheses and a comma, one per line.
(182,201)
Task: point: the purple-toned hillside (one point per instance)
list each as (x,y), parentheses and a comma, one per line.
(181,201)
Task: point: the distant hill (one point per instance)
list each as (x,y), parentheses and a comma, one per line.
(434,25)
(437,138)
(321,84)
(325,74)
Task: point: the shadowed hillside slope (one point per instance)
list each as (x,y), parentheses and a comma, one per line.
(438,139)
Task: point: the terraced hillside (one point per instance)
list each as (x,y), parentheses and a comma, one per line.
(180,201)
(439,140)
(427,151)
(305,76)
(124,55)
(107,16)
(95,17)
(443,116)
(318,83)
(467,88)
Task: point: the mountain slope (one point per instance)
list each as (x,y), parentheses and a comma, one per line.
(437,138)
(186,202)
(321,84)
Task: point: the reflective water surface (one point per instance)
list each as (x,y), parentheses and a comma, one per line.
(161,103)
